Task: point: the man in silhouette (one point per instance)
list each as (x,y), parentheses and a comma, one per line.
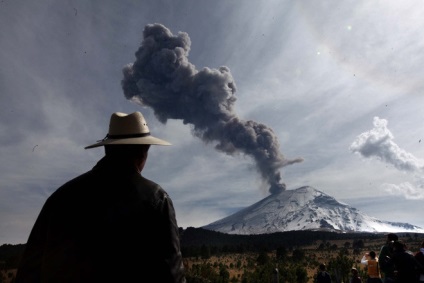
(386,252)
(110,224)
(407,268)
(323,276)
(355,276)
(419,256)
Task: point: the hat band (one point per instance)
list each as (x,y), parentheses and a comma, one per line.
(129,136)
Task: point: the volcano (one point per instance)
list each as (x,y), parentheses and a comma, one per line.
(305,208)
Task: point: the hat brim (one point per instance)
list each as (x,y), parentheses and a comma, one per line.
(142,140)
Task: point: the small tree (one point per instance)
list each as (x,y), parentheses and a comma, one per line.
(224,274)
(298,255)
(340,267)
(281,253)
(301,274)
(205,252)
(358,244)
(263,258)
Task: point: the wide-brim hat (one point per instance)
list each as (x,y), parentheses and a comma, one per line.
(128,129)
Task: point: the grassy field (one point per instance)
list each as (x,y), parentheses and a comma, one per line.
(237,264)
(319,252)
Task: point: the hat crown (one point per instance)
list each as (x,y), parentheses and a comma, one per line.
(128,129)
(127,124)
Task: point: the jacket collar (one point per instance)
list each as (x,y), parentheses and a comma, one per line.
(115,165)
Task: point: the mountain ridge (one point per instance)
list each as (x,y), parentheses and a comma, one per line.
(305,208)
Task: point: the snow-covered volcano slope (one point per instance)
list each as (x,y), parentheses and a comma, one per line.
(305,208)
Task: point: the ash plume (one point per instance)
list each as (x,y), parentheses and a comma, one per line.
(162,78)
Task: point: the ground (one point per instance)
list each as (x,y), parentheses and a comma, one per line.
(237,263)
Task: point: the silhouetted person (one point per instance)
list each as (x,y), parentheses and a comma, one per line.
(419,256)
(406,266)
(323,276)
(109,224)
(355,276)
(386,252)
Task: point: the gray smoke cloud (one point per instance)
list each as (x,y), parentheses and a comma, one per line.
(162,78)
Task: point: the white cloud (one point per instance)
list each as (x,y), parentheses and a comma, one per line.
(406,189)
(378,143)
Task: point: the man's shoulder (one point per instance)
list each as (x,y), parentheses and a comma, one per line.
(328,276)
(74,184)
(384,248)
(148,186)
(85,177)
(403,256)
(324,274)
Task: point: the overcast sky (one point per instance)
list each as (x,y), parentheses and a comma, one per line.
(338,84)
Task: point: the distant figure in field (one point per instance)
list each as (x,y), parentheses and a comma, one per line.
(419,256)
(373,270)
(407,268)
(110,224)
(386,252)
(355,276)
(323,276)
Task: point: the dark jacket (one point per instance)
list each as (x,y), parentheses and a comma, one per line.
(386,265)
(107,225)
(406,266)
(355,279)
(323,277)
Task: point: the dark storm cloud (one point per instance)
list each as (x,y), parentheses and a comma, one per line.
(163,79)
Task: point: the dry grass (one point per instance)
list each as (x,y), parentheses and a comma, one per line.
(8,275)
(237,263)
(311,252)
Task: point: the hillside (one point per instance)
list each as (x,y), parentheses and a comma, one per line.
(305,208)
